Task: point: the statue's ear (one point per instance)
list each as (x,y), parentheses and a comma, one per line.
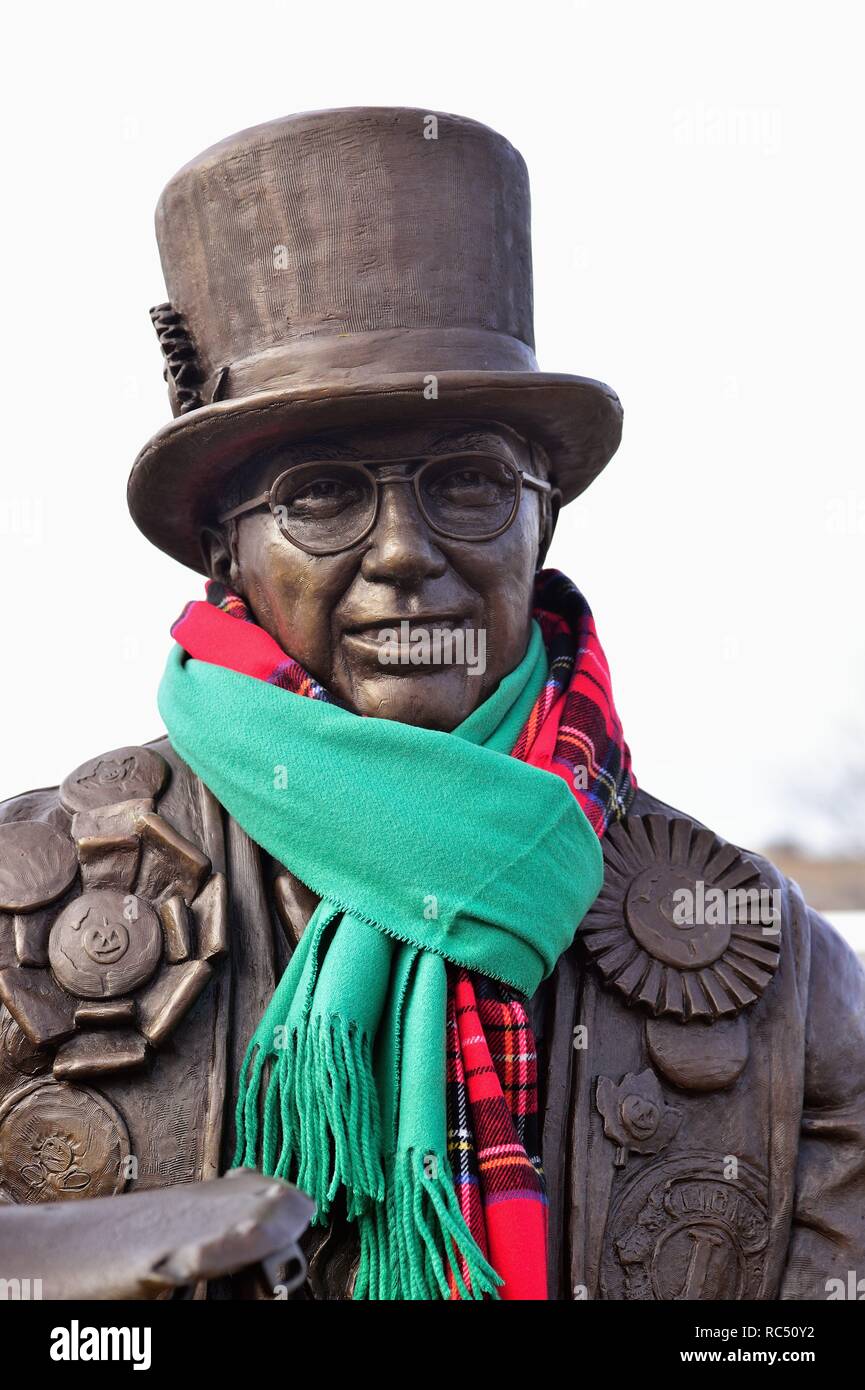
(551,503)
(219,553)
(551,508)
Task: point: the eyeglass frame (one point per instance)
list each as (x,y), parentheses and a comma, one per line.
(522,477)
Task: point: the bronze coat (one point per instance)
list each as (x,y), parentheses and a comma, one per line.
(718,1157)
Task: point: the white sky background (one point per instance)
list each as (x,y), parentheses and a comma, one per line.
(698,243)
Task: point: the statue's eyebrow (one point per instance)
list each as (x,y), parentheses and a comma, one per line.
(284,455)
(466,439)
(324,451)
(312,452)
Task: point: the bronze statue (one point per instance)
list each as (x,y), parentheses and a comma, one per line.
(362,440)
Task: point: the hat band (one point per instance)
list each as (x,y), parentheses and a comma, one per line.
(346,359)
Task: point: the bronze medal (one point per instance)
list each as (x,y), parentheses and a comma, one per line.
(122,775)
(104,944)
(37,865)
(60,1143)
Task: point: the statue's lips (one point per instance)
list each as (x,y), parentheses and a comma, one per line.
(416,621)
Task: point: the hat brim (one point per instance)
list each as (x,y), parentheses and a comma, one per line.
(178,477)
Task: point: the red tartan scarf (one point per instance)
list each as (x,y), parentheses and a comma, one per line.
(574,732)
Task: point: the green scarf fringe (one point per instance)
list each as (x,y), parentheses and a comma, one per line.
(413,1241)
(321,1126)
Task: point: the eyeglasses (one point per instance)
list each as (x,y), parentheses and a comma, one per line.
(328,506)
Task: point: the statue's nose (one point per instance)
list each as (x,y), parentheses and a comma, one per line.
(401,546)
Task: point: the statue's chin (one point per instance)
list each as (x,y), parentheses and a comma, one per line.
(439,699)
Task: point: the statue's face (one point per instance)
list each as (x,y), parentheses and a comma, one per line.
(340,615)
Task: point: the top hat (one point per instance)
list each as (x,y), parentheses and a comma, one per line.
(348,267)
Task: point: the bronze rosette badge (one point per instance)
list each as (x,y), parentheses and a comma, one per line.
(683,925)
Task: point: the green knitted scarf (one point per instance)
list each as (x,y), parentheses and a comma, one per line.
(425,848)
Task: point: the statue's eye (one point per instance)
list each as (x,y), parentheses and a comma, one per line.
(324,487)
(465,478)
(467,485)
(321,496)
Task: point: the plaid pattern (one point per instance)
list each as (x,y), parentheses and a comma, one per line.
(586,737)
(266,659)
(494,1129)
(574,732)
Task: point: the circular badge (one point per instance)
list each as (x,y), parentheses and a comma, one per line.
(683,925)
(122,775)
(653,916)
(60,1143)
(690,1227)
(104,944)
(37,864)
